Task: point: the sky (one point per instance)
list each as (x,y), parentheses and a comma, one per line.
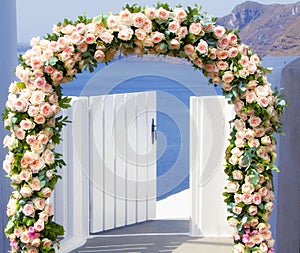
(37,17)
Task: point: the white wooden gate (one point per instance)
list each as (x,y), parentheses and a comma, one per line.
(123,160)
(110,177)
(209,133)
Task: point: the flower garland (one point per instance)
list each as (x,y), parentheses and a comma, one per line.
(35,101)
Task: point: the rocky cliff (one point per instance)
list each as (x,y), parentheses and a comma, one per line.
(269,29)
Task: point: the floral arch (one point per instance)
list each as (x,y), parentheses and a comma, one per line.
(34,102)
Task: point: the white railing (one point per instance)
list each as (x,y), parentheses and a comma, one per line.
(209,134)
(110,177)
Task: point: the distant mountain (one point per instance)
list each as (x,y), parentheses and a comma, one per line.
(269,29)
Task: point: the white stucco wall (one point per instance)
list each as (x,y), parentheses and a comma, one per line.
(8,61)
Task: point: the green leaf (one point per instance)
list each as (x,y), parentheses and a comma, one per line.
(254,179)
(21,85)
(52,61)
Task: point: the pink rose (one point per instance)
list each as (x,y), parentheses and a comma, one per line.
(25,175)
(39,203)
(56,109)
(180,14)
(263,101)
(46,192)
(233,52)
(174,26)
(232,186)
(234,160)
(26,191)
(35,184)
(196,28)
(233,40)
(89,38)
(37,165)
(125,17)
(20,104)
(247,188)
(75,37)
(39,82)
(237,209)
(150,12)
(16,179)
(46,110)
(147,26)
(48,157)
(222,54)
(57,75)
(157,37)
(43,216)
(39,119)
(266,140)
(25,238)
(125,34)
(140,34)
(250,96)
(237,174)
(244,61)
(36,242)
(46,242)
(20,133)
(39,225)
(219,31)
(222,65)
(106,37)
(162,14)
(33,111)
(254,121)
(37,97)
(256,198)
(227,76)
(99,55)
(253,222)
(27,124)
(182,32)
(252,210)
(18,231)
(224,42)
(49,209)
(36,62)
(175,44)
(254,143)
(213,53)
(269,206)
(28,209)
(247,198)
(238,198)
(138,20)
(233,222)
(189,49)
(243,49)
(202,47)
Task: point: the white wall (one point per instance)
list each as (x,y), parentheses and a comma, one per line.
(8,61)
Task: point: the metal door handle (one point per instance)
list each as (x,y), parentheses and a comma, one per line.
(153,131)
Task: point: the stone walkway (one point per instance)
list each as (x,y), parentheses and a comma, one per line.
(157,236)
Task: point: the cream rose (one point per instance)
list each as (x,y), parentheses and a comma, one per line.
(174,26)
(196,28)
(202,47)
(28,209)
(228,76)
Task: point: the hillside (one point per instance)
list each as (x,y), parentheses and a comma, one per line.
(269,29)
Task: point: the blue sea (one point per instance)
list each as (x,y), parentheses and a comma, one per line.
(174,81)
